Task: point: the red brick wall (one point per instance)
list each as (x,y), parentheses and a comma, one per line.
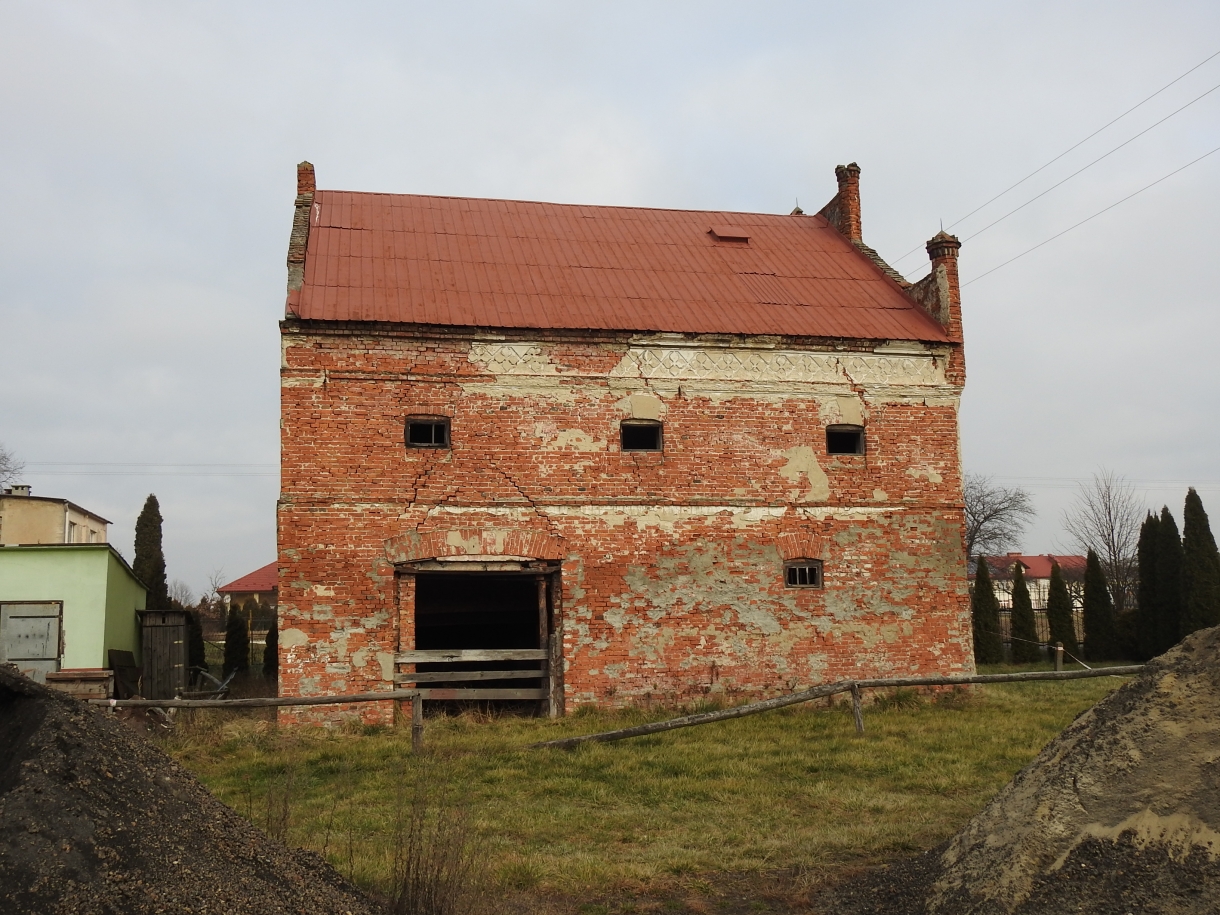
(672,563)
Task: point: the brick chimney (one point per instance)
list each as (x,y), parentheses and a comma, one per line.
(298,241)
(306,183)
(942,252)
(843,210)
(940,294)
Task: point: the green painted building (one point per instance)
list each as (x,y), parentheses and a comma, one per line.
(64,605)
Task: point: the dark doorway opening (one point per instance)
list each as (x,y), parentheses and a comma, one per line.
(487,610)
(476,610)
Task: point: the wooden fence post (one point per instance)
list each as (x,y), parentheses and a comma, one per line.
(417,724)
(857,708)
(1058,656)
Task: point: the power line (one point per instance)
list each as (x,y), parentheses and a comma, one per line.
(1127,480)
(143,473)
(1091,164)
(1068,150)
(138,464)
(145,469)
(1090,218)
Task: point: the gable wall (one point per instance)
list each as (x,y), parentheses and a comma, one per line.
(672,562)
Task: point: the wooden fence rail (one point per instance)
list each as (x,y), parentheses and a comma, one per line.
(262,701)
(656,727)
(821,692)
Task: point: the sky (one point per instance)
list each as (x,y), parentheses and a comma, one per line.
(147,166)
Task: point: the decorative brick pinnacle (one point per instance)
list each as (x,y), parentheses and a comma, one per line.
(942,245)
(306,182)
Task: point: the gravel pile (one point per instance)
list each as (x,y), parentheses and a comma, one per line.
(1118,814)
(93,819)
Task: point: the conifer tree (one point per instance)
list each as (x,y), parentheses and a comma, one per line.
(1059,612)
(1147,627)
(196,651)
(1100,631)
(149,561)
(1026,649)
(271,654)
(1200,568)
(237,643)
(985,618)
(249,610)
(1169,582)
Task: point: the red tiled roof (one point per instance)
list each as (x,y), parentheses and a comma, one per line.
(1037,566)
(506,263)
(258,581)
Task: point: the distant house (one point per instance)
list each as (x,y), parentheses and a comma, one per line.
(1037,572)
(64,605)
(26,519)
(261,584)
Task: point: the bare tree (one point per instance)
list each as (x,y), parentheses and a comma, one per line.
(996,516)
(10,467)
(216,581)
(1106,518)
(180,591)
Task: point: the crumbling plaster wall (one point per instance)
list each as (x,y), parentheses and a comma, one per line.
(672,576)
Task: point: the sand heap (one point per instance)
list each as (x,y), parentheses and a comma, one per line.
(94,819)
(1118,814)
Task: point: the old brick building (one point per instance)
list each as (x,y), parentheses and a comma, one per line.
(719,449)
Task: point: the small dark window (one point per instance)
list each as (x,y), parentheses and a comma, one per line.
(844,439)
(427,432)
(803,573)
(641,435)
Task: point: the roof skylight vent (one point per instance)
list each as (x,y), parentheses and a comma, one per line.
(730,233)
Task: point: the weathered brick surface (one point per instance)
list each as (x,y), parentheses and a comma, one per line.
(672,563)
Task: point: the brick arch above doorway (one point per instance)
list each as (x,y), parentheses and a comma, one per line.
(505,543)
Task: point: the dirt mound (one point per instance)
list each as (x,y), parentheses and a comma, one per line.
(1118,814)
(94,819)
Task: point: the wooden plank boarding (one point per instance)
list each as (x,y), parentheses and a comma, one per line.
(441,656)
(479,694)
(441,676)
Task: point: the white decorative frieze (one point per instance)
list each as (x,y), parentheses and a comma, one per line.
(717,364)
(696,363)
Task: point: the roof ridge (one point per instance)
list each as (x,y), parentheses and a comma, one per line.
(597,206)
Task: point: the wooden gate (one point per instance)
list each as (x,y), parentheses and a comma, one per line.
(31,636)
(164,654)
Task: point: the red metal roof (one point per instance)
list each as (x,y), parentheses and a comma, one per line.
(259,581)
(507,263)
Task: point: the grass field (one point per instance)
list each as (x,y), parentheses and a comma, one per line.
(792,790)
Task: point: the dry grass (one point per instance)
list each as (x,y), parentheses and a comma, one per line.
(792,790)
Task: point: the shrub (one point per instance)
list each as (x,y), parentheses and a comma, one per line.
(985,618)
(1026,648)
(1100,626)
(271,653)
(435,868)
(237,644)
(1059,612)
